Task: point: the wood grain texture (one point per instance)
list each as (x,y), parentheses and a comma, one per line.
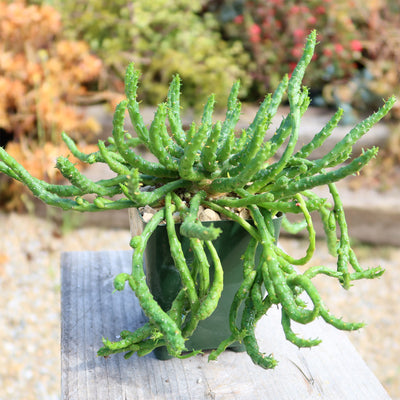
(331,371)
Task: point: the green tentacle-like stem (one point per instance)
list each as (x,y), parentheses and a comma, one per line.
(311,236)
(179,257)
(137,281)
(192,227)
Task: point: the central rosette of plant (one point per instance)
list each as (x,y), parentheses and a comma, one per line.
(211,165)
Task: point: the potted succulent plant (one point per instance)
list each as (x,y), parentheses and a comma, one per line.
(237,177)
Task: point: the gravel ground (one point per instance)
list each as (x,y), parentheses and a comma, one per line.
(30,304)
(30,301)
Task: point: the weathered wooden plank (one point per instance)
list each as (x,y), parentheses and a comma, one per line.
(333,370)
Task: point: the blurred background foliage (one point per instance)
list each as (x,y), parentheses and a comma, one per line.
(162,37)
(42,74)
(59,55)
(359,40)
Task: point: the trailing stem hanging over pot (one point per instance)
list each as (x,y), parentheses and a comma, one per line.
(209,165)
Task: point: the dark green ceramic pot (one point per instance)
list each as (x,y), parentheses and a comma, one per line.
(164,281)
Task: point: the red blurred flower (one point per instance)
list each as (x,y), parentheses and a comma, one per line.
(297,51)
(238,19)
(255,32)
(278,3)
(312,20)
(339,48)
(295,9)
(356,45)
(299,34)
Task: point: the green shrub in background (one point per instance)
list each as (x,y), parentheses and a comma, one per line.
(162,37)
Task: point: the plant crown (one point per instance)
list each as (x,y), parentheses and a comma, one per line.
(208,165)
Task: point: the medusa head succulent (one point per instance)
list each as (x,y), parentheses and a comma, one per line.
(209,164)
